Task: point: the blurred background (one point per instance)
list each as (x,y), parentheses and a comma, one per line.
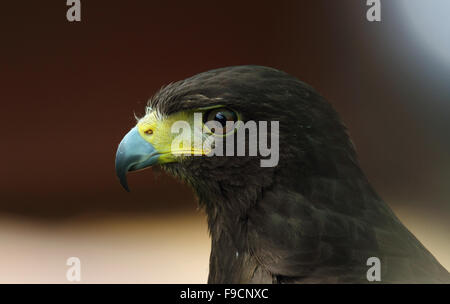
(69,92)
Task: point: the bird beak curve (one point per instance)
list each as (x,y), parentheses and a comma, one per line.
(134,153)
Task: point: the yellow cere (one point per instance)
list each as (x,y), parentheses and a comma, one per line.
(173,136)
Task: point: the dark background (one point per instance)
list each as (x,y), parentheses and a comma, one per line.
(69,92)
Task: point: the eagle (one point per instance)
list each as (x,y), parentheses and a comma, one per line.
(311,218)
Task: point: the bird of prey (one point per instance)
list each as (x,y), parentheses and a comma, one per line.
(312,218)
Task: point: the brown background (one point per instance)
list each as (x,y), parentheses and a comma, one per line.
(69,91)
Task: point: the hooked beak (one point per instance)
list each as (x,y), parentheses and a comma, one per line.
(134,153)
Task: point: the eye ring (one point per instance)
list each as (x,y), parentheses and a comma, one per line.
(221,116)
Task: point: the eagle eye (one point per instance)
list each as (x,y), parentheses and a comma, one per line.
(222,116)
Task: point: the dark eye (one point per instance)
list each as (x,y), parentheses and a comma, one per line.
(222,116)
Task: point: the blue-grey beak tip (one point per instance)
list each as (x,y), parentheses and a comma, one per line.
(124,182)
(122,167)
(133,153)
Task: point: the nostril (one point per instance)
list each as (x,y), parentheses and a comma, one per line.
(149,132)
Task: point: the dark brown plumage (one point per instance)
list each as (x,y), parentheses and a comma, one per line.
(314,218)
